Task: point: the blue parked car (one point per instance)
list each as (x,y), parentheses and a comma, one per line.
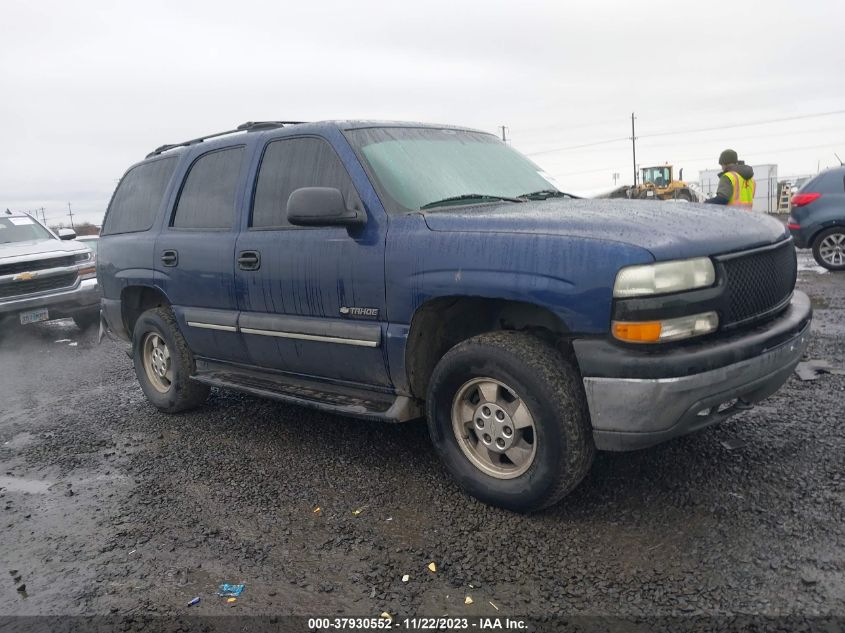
(817,218)
(394,271)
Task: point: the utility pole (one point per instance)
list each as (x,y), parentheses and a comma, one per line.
(70,213)
(504,138)
(43,217)
(634,147)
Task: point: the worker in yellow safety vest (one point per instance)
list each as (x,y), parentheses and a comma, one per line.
(736,182)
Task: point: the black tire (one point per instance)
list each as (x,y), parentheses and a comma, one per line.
(551,389)
(86,320)
(836,233)
(182,393)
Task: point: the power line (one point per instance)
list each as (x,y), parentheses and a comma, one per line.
(699,158)
(647,146)
(563,149)
(769,151)
(557,128)
(688,131)
(740,138)
(735,125)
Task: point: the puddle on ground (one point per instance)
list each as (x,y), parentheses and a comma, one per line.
(19,484)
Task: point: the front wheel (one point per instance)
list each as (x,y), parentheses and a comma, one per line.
(829,248)
(507,415)
(164,364)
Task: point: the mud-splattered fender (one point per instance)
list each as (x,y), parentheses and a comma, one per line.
(570,276)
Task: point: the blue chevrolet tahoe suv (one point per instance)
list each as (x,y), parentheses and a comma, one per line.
(394,271)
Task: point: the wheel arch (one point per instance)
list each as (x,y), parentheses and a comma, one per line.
(441,323)
(137,299)
(830,224)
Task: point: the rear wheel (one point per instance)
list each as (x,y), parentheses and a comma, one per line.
(508,417)
(164,364)
(829,248)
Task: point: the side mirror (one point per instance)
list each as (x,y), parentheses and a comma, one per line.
(66,234)
(322,206)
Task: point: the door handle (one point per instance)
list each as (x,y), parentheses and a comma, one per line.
(169,258)
(249,260)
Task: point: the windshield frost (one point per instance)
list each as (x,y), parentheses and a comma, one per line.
(21,229)
(416,167)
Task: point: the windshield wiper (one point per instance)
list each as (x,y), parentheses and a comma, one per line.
(469,196)
(548,193)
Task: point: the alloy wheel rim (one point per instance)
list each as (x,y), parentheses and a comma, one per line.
(832,249)
(157,362)
(494,428)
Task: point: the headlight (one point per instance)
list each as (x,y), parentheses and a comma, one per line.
(667,329)
(664,277)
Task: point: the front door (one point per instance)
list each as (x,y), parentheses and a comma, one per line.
(312,299)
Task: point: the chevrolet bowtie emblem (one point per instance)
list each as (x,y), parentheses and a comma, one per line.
(24,277)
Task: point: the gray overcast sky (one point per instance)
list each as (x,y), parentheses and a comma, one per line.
(90,87)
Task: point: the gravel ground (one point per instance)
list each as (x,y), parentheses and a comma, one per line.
(110,507)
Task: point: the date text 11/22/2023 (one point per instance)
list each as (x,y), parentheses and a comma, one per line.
(385,622)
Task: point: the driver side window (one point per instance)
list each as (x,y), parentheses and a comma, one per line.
(289,164)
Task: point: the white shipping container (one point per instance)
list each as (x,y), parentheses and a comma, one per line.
(765,194)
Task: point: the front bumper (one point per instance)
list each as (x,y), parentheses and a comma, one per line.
(85,295)
(638,398)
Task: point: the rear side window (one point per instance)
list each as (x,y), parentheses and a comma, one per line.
(811,184)
(833,182)
(207,200)
(290,164)
(138,197)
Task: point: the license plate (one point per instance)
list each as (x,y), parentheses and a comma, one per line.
(34,316)
(649,194)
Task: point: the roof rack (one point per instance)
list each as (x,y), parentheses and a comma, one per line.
(249,126)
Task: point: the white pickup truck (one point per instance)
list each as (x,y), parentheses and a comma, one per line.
(45,275)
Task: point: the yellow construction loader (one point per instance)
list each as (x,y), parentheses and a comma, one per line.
(659,183)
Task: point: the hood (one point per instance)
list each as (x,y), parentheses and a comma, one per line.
(36,249)
(746,171)
(669,230)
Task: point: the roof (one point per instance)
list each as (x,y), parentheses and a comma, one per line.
(264,126)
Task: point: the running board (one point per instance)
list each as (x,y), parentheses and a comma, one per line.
(316,395)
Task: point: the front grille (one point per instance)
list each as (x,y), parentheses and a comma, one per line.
(758,282)
(31,286)
(41,264)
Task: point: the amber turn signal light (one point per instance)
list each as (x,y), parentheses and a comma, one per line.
(639,332)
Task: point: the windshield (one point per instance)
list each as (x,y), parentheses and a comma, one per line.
(657,175)
(21,229)
(92,244)
(417,168)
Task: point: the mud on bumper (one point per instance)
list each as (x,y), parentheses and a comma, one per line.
(639,398)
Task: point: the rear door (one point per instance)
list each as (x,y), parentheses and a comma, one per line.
(312,300)
(194,255)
